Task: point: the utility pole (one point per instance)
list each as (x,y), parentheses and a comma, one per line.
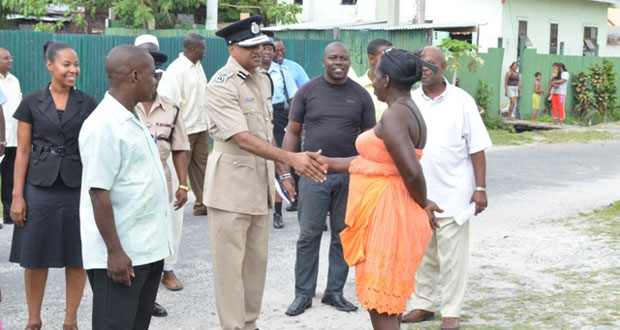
(420,12)
(211,23)
(393,12)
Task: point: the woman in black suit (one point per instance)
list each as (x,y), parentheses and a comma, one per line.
(46,190)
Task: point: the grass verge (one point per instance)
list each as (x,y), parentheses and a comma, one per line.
(505,137)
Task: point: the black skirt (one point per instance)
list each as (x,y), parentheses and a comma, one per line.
(50,236)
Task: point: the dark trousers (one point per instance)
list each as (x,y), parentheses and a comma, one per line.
(6,171)
(119,307)
(314,201)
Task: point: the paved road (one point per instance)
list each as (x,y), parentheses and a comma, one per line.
(525,184)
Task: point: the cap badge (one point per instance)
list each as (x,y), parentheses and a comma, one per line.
(255,28)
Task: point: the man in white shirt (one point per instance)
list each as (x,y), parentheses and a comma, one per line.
(455,171)
(9,84)
(375,51)
(125,221)
(186,84)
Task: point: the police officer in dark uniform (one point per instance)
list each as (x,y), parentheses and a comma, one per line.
(239,180)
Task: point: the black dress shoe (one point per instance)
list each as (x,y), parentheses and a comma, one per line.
(277,221)
(338,301)
(159,310)
(292,207)
(299,306)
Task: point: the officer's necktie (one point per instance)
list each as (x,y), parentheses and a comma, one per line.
(285,91)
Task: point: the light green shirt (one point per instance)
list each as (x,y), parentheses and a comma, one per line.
(120,155)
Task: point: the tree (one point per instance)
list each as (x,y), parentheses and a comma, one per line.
(455,50)
(272,10)
(133,13)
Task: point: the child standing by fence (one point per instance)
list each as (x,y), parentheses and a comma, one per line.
(536,96)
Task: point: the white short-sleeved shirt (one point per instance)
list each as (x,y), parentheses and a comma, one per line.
(120,155)
(10,86)
(454,131)
(561,89)
(185,83)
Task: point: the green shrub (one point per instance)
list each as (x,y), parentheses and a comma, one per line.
(595,92)
(483,95)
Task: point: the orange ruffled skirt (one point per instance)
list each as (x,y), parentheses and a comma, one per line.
(387,231)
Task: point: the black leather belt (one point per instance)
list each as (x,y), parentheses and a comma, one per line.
(280,106)
(56,150)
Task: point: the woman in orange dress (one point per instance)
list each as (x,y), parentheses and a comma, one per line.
(389,220)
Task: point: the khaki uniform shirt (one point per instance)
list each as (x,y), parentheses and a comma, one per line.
(380,107)
(237,180)
(159,122)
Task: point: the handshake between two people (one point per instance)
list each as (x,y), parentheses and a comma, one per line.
(308,164)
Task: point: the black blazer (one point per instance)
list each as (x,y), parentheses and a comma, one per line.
(47,160)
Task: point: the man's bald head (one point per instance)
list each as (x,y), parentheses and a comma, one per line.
(131,71)
(435,53)
(194,47)
(435,56)
(335,46)
(124,59)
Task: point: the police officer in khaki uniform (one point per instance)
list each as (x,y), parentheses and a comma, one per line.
(164,120)
(239,180)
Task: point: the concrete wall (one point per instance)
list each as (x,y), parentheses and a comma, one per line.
(367,10)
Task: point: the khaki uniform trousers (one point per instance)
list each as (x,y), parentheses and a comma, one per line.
(447,254)
(197,163)
(239,248)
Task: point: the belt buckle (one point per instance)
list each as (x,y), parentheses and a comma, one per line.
(60,151)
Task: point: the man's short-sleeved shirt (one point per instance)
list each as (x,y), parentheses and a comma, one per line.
(562,88)
(120,155)
(333,115)
(297,71)
(2,98)
(237,180)
(185,84)
(9,84)
(380,107)
(282,78)
(159,122)
(454,131)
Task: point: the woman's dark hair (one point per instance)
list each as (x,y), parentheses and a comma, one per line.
(513,63)
(51,48)
(561,66)
(403,68)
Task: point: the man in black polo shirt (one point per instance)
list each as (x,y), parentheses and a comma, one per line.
(334,110)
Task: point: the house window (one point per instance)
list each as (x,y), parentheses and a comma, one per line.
(298,2)
(349,2)
(522,36)
(589,40)
(553,39)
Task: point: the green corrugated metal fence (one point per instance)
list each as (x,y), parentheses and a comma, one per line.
(489,72)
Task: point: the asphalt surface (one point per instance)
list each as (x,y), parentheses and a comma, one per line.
(525,183)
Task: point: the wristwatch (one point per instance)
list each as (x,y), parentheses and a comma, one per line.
(186,188)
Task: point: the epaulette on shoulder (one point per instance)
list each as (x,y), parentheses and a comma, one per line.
(241,75)
(225,74)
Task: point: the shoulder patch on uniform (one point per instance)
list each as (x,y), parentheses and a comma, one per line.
(242,75)
(223,76)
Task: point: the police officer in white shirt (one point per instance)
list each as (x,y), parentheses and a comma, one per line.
(455,168)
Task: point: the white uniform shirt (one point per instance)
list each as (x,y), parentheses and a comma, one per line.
(13,92)
(186,84)
(454,131)
(120,155)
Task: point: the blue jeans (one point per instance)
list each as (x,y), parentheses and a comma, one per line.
(315,200)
